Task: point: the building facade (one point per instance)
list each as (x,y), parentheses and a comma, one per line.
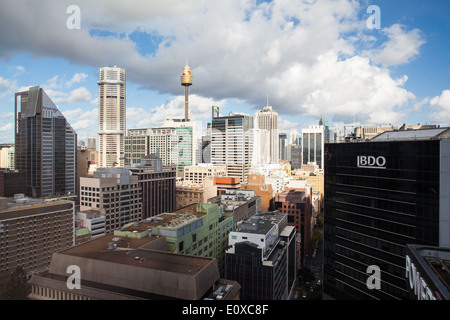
(186,147)
(112,116)
(262,257)
(46,145)
(231,144)
(158,184)
(381,196)
(313,142)
(267,119)
(140,143)
(31,230)
(117,192)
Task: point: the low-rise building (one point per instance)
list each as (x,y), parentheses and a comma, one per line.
(227,183)
(188,192)
(199,229)
(128,267)
(198,173)
(257,183)
(238,204)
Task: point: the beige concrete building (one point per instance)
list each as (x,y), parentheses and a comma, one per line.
(190,193)
(116,191)
(128,267)
(32,229)
(197,174)
(267,119)
(257,183)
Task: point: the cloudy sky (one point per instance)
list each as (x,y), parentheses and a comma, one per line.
(311,58)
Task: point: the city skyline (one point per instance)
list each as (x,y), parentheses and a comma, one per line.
(310,60)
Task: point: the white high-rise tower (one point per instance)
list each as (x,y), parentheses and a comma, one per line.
(112,116)
(267,119)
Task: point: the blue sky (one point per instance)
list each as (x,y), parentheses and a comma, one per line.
(311,58)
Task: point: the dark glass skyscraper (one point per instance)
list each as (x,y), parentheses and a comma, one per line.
(380,196)
(45,145)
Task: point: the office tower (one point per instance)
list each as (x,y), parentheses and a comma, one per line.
(282,143)
(204,146)
(198,174)
(313,141)
(140,143)
(46,145)
(267,119)
(262,257)
(31,230)
(380,196)
(232,144)
(294,155)
(427,275)
(112,116)
(186,82)
(326,129)
(92,144)
(117,191)
(158,185)
(186,142)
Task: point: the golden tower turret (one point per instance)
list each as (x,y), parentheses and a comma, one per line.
(186,81)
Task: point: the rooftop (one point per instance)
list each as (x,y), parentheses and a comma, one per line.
(418,134)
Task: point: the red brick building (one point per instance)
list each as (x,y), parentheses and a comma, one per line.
(297,204)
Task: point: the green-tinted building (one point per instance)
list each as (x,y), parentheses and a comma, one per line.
(199,229)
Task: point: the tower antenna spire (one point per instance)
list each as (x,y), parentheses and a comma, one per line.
(186,81)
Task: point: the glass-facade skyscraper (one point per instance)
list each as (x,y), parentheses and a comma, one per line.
(46,145)
(380,196)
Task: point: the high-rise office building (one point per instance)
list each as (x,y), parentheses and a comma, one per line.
(282,144)
(267,119)
(140,143)
(112,116)
(313,142)
(232,144)
(380,196)
(185,130)
(117,191)
(158,186)
(46,145)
